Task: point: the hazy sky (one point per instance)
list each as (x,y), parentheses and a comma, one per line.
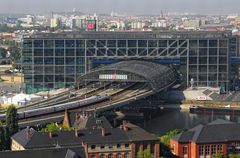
(121,6)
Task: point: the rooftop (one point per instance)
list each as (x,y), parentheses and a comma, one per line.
(214,132)
(77,152)
(132,35)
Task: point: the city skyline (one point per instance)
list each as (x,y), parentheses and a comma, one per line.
(123,7)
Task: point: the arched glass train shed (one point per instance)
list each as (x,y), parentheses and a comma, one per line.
(157,75)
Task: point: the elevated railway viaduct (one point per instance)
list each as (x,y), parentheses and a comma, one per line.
(126,81)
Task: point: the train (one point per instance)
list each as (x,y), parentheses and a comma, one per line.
(60,107)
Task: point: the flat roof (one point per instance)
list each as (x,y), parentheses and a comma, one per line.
(132,35)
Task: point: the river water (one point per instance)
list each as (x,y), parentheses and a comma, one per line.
(169,120)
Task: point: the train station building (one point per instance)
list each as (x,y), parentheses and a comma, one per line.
(201,59)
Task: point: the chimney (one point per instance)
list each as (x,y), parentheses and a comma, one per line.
(125,122)
(76,133)
(28,132)
(77,116)
(103,131)
(50,135)
(125,128)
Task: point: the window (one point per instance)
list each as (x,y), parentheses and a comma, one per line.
(102,156)
(118,145)
(213,149)
(102,146)
(110,146)
(110,155)
(201,150)
(219,147)
(118,155)
(93,147)
(126,145)
(126,155)
(207,149)
(185,151)
(92,156)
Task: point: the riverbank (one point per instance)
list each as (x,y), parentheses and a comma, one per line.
(210,103)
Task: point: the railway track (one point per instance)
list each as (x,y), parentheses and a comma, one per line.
(83,93)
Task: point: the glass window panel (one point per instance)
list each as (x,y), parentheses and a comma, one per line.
(59,61)
(152,43)
(70,52)
(193,43)
(70,61)
(48,43)
(38,43)
(80,43)
(38,52)
(48,52)
(203,43)
(69,43)
(111,43)
(80,52)
(48,61)
(132,43)
(59,43)
(59,52)
(143,43)
(38,61)
(213,43)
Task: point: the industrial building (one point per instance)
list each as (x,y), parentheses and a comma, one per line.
(202,59)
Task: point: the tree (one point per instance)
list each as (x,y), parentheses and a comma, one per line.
(2,138)
(147,154)
(166,138)
(144,154)
(12,120)
(54,127)
(234,156)
(140,154)
(11,125)
(219,155)
(165,143)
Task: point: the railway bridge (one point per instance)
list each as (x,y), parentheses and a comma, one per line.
(125,82)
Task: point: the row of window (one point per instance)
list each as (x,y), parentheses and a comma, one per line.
(118,155)
(110,146)
(205,149)
(55,61)
(54,52)
(126,51)
(124,43)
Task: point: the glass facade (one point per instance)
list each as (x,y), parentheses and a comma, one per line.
(54,62)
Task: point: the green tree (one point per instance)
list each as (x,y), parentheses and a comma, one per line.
(140,154)
(147,154)
(11,125)
(234,156)
(2,138)
(166,138)
(219,155)
(54,127)
(12,120)
(165,143)
(144,154)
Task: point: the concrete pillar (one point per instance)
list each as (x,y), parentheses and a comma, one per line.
(156,150)
(133,146)
(141,147)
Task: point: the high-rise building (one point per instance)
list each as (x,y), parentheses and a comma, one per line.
(56,60)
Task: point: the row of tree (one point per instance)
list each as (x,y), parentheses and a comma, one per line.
(9,128)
